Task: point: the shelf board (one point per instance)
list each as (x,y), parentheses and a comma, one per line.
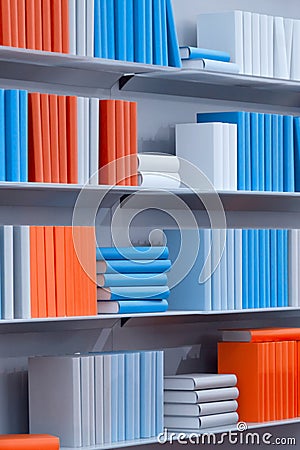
(219,86)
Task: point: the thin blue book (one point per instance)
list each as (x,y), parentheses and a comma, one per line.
(129,398)
(280,268)
(164,34)
(254,151)
(23,107)
(131,253)
(257,267)
(262,268)
(247,153)
(268,269)
(145,380)
(297,152)
(132,279)
(268,152)
(139,24)
(280,153)
(273,269)
(137,395)
(12,135)
(149,31)
(157,32)
(110,27)
(120,29)
(288,155)
(104,29)
(97,29)
(245,274)
(173,47)
(129,31)
(153,393)
(261,151)
(188,52)
(121,397)
(275,155)
(286,267)
(142,266)
(133,293)
(114,396)
(2,136)
(251,264)
(159,413)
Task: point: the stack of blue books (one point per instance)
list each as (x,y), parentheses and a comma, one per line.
(132,279)
(136,30)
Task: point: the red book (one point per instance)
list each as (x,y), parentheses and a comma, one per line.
(5,25)
(133,143)
(62,139)
(72,140)
(41,272)
(120,142)
(35,147)
(46,25)
(279,375)
(261,335)
(34,305)
(29,442)
(38,24)
(127,143)
(88,263)
(30,24)
(46,146)
(60,270)
(21,24)
(70,278)
(14,23)
(56,23)
(54,138)
(65,26)
(78,306)
(50,271)
(107,144)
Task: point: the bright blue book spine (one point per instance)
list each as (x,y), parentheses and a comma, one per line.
(286,267)
(134,279)
(254,151)
(251,266)
(139,21)
(2,136)
(145,379)
(237,117)
(120,29)
(121,397)
(12,135)
(275,156)
(297,152)
(129,397)
(137,293)
(157,33)
(268,152)
(131,253)
(142,266)
(245,272)
(288,155)
(103,33)
(261,152)
(273,268)
(261,260)
(256,268)
(153,392)
(97,30)
(198,53)
(129,31)
(268,268)
(159,413)
(143,306)
(280,267)
(173,47)
(247,153)
(23,105)
(262,268)
(164,37)
(114,396)
(149,31)
(110,27)
(230,269)
(280,154)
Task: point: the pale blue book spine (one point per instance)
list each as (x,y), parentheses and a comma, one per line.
(288,154)
(114,397)
(104,25)
(153,393)
(2,136)
(157,33)
(164,37)
(246,146)
(261,151)
(159,392)
(110,7)
(121,397)
(143,306)
(268,268)
(23,97)
(280,267)
(205,237)
(129,31)
(97,30)
(230,269)
(149,31)
(245,273)
(129,397)
(263,269)
(139,21)
(273,264)
(286,267)
(146,391)
(224,283)
(134,279)
(261,260)
(280,154)
(251,264)
(268,152)
(137,396)
(118,266)
(199,53)
(275,156)
(254,152)
(257,266)
(216,276)
(297,152)
(12,135)
(139,293)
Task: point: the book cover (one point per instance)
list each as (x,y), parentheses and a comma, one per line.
(134,279)
(239,270)
(288,154)
(151,162)
(14,23)
(159,376)
(85,390)
(46,144)
(188,52)
(261,335)
(86,139)
(72,140)
(133,144)
(72,27)
(94,141)
(21,258)
(145,392)
(193,423)
(34,304)
(7,272)
(41,272)
(132,253)
(120,143)
(103,29)
(29,442)
(81,27)
(230,269)
(99,398)
(65,25)
(21,18)
(107,398)
(149,31)
(30,23)
(256,39)
(60,268)
(200,409)
(2,136)
(164,37)
(133,292)
(71,292)
(131,306)
(129,35)
(127,150)
(270,30)
(295,64)
(153,387)
(202,396)
(141,266)
(111,29)
(247,38)
(120,10)
(263,33)
(62,138)
(280,55)
(38,25)
(129,396)
(121,393)
(90,8)
(107,146)
(197,381)
(50,272)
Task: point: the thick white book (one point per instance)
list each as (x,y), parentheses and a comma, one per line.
(94,141)
(55,398)
(202,145)
(90,28)
(288,30)
(201,396)
(150,162)
(81,27)
(72,26)
(194,423)
(85,399)
(230,268)
(238,270)
(199,409)
(99,399)
(197,381)
(247,38)
(107,398)
(232,156)
(226,157)
(270,30)
(86,133)
(210,65)
(263,27)
(92,402)
(255,45)
(21,259)
(81,139)
(7,271)
(159,180)
(295,62)
(280,57)
(222,31)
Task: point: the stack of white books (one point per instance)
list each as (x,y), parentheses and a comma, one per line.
(200,400)
(158,170)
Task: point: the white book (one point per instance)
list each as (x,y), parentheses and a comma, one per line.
(216,286)
(197,381)
(114,384)
(81,27)
(159,412)
(270,43)
(159,180)
(226,157)
(202,396)
(92,401)
(238,272)
(86,133)
(288,30)
(222,31)
(230,269)
(153,393)
(85,399)
(150,162)
(202,145)
(295,62)
(107,401)
(200,409)
(210,65)
(194,423)
(99,399)
(90,28)
(121,397)
(247,38)
(21,259)
(72,26)
(137,396)
(55,398)
(94,141)
(264,66)
(232,156)
(280,58)
(7,271)
(81,141)
(255,45)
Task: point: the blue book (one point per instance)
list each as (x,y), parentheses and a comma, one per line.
(224,280)
(297,152)
(280,153)
(288,155)
(23,107)
(286,268)
(133,293)
(173,47)
(262,268)
(280,267)
(97,29)
(159,413)
(237,117)
(121,398)
(268,269)
(110,27)
(120,29)
(251,266)
(114,396)
(2,136)
(145,383)
(188,52)
(132,279)
(157,32)
(164,36)
(254,151)
(129,31)
(12,135)
(139,24)
(247,150)
(131,253)
(137,396)
(275,155)
(149,31)
(129,397)
(216,278)
(273,268)
(245,273)
(142,266)
(261,151)
(268,152)
(103,32)
(230,269)
(256,267)
(153,393)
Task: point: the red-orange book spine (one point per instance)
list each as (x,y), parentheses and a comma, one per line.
(65,26)
(14,23)
(62,139)
(35,152)
(38,24)
(46,146)
(56,31)
(46,25)
(279,380)
(290,378)
(5,28)
(261,381)
(107,144)
(60,271)
(41,271)
(21,24)
(30,24)
(270,334)
(50,272)
(133,143)
(267,383)
(33,274)
(120,142)
(272,366)
(70,278)
(92,270)
(127,143)
(78,271)
(28,442)
(72,140)
(54,138)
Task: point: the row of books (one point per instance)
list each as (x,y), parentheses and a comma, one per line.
(98,398)
(265,362)
(47,272)
(196,401)
(158,170)
(252,272)
(29,442)
(261,45)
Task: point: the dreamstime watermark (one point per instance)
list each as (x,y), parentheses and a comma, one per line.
(240,436)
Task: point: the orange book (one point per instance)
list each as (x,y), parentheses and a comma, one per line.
(62,139)
(92,270)
(28,442)
(272,380)
(41,272)
(30,24)
(65,26)
(34,305)
(46,146)
(21,24)
(127,143)
(38,24)
(14,23)
(72,140)
(5,25)
(70,278)
(261,335)
(133,143)
(289,384)
(266,383)
(120,142)
(262,386)
(46,25)
(279,375)
(78,306)
(107,144)
(298,378)
(54,138)
(56,31)
(35,148)
(50,272)
(60,270)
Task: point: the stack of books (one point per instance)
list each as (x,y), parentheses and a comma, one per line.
(200,400)
(132,279)
(96,399)
(158,170)
(265,362)
(29,442)
(195,58)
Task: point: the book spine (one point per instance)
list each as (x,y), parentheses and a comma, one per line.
(12,135)
(46,146)
(41,272)
(65,26)
(23,107)
(107,148)
(111,32)
(2,136)
(94,141)
(173,47)
(158,46)
(54,144)
(56,26)
(90,28)
(21,246)
(38,25)
(120,11)
(121,415)
(35,156)
(134,253)
(72,27)
(62,139)
(30,24)
(81,27)
(50,272)
(120,143)
(72,140)
(14,23)
(97,30)
(99,399)
(139,20)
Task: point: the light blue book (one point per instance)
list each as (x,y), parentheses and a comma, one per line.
(137,396)
(129,31)
(256,268)
(188,52)
(23,106)
(230,269)
(216,280)
(129,397)
(146,392)
(114,396)
(153,393)
(248,155)
(157,32)
(110,21)
(245,269)
(288,155)
(280,267)
(251,264)
(173,47)
(224,281)
(261,151)
(2,136)
(262,269)
(97,29)
(273,269)
(139,23)
(268,152)
(297,152)
(120,29)
(141,266)
(164,36)
(254,152)
(159,413)
(238,269)
(104,29)
(237,117)
(121,397)
(132,306)
(275,154)
(12,135)
(133,293)
(132,279)
(132,253)
(286,267)
(149,31)
(268,269)
(280,153)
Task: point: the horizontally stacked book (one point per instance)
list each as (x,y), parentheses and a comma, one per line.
(195,58)
(200,400)
(266,363)
(261,45)
(28,442)
(96,399)
(132,279)
(158,170)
